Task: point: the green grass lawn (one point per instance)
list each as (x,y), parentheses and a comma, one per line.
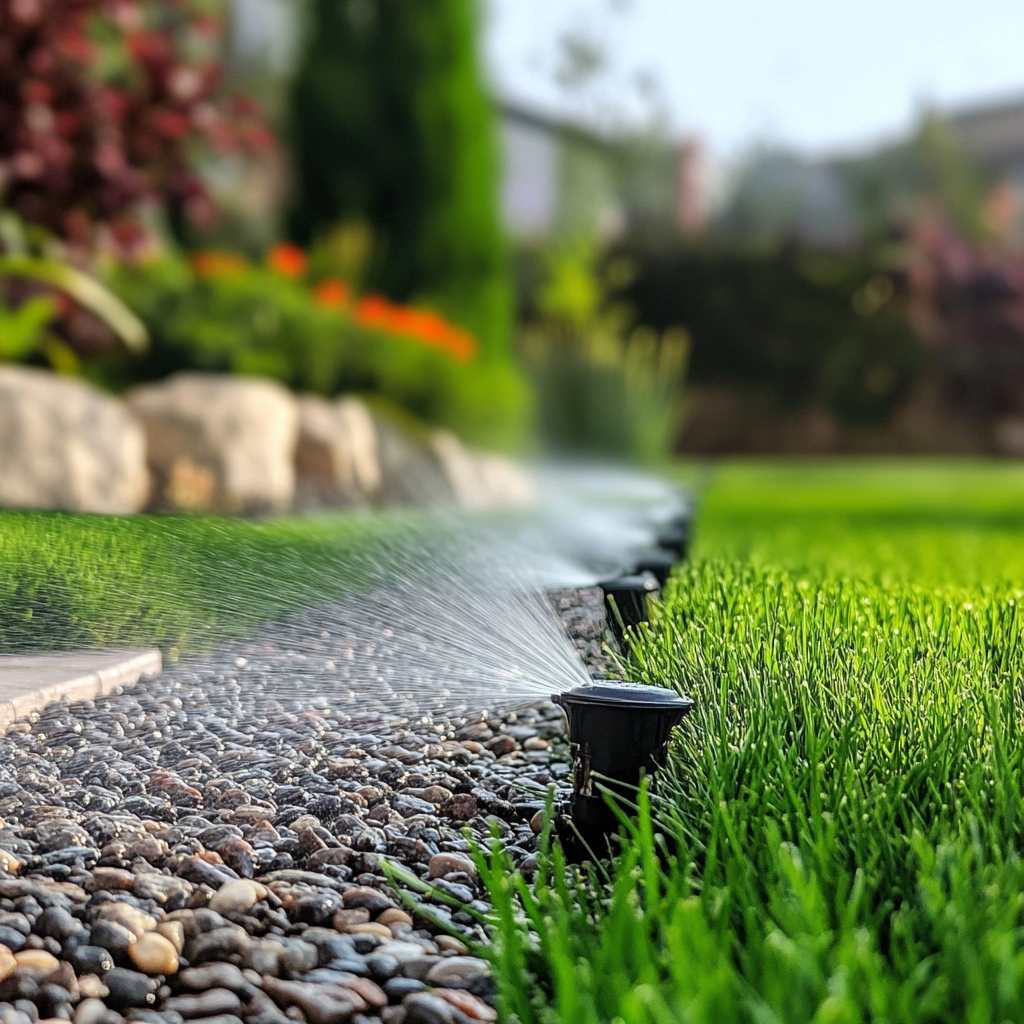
(838,838)
(81,581)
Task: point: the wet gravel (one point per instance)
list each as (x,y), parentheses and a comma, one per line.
(209,845)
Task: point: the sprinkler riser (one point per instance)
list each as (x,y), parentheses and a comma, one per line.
(614,742)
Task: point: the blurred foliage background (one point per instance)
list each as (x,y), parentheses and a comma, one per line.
(331,194)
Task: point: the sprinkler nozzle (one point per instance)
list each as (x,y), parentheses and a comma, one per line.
(617,732)
(625,599)
(658,562)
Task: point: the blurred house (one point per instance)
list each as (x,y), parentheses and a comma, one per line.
(993,134)
(779,195)
(968,159)
(560,177)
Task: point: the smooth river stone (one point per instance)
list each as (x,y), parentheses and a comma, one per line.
(237,897)
(7,963)
(442,864)
(154,954)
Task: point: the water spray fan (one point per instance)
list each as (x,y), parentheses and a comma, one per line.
(618,731)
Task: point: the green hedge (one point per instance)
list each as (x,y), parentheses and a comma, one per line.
(811,329)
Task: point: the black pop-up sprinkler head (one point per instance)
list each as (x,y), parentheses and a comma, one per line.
(625,600)
(658,562)
(675,537)
(617,732)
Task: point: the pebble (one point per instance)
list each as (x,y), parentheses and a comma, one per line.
(110,879)
(501,745)
(317,1005)
(112,936)
(90,987)
(450,944)
(209,848)
(467,1004)
(129,988)
(396,989)
(174,933)
(135,920)
(457,971)
(154,954)
(461,807)
(369,899)
(9,863)
(392,917)
(7,963)
(90,1011)
(11,938)
(36,962)
(442,864)
(211,1003)
(346,917)
(426,1008)
(237,897)
(227,976)
(370,928)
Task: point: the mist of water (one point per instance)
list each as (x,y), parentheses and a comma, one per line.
(444,615)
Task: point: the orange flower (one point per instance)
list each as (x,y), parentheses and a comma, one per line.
(373,311)
(211,263)
(461,344)
(331,293)
(287,259)
(421,326)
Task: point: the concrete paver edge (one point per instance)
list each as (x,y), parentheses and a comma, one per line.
(82,687)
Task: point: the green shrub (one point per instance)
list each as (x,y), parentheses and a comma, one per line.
(240,318)
(810,330)
(603,387)
(391,125)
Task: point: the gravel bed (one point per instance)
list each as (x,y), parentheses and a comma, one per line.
(209,845)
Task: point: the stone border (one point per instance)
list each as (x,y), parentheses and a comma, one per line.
(29,682)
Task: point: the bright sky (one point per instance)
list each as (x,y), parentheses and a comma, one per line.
(819,74)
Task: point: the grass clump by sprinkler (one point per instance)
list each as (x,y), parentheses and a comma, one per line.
(659,562)
(837,828)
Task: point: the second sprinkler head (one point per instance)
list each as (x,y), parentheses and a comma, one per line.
(625,599)
(658,562)
(676,538)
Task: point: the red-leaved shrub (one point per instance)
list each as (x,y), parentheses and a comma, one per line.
(104,107)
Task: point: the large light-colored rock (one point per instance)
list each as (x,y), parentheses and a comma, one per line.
(505,481)
(410,471)
(65,445)
(219,443)
(348,454)
(337,458)
(460,469)
(477,480)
